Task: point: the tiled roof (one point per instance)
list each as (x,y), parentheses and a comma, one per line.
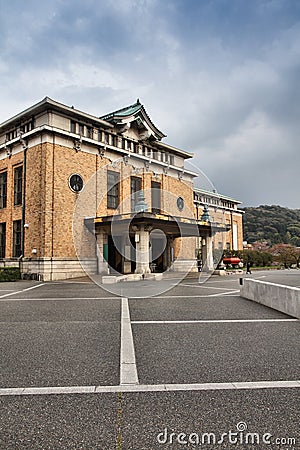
(135,109)
(123,112)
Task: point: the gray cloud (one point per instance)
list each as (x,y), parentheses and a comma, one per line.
(219,78)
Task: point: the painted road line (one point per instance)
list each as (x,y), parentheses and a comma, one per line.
(251,385)
(224,293)
(40,299)
(206,287)
(128,370)
(148,322)
(23,290)
(220,294)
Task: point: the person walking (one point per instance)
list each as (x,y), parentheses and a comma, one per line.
(248,267)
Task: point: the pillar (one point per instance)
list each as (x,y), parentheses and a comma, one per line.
(207,253)
(142,238)
(101,243)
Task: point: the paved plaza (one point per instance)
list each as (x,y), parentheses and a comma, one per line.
(195,367)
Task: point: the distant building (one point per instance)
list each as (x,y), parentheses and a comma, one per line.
(51,152)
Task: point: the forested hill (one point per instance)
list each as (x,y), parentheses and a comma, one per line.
(273,224)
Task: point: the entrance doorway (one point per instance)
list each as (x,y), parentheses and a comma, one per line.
(158,249)
(114,258)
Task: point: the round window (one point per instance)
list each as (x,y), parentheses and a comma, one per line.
(76,182)
(180,203)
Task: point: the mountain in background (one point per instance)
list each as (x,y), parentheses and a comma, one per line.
(272,224)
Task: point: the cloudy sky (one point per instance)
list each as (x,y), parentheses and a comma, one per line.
(220,77)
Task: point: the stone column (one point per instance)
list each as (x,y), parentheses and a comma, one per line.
(102,264)
(207,253)
(142,237)
(127,254)
(170,252)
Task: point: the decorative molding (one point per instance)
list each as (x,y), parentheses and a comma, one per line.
(8,150)
(77,145)
(101,152)
(24,143)
(180,175)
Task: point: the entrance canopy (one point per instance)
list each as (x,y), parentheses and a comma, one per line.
(174,227)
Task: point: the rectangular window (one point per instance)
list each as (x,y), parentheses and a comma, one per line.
(155,155)
(81,129)
(2,239)
(105,138)
(26,127)
(171,158)
(155,194)
(112,189)
(135,186)
(114,140)
(17,238)
(3,189)
(11,135)
(18,185)
(73,126)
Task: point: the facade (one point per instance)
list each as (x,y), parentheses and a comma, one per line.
(140,209)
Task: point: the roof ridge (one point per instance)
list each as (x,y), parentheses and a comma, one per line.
(122,109)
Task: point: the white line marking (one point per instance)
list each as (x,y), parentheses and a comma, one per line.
(137,322)
(22,290)
(150,388)
(206,287)
(128,370)
(22,299)
(224,293)
(194,296)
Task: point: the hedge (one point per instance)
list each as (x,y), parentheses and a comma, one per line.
(10,274)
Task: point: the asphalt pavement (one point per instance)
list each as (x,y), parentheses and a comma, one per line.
(214,371)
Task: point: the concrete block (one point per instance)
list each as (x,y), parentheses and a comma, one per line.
(109,279)
(285,299)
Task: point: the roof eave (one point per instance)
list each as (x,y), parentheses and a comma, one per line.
(216,194)
(178,151)
(48,102)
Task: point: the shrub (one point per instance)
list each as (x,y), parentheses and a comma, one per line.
(10,274)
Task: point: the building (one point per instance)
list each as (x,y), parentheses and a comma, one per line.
(136,207)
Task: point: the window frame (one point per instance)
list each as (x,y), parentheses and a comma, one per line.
(2,239)
(156,197)
(135,187)
(113,190)
(18,186)
(17,239)
(3,189)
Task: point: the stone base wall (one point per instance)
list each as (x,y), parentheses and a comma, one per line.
(54,269)
(185,265)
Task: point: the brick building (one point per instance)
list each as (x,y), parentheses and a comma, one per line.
(140,207)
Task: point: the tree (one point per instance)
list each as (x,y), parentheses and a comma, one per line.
(286,254)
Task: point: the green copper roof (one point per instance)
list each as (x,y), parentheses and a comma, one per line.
(138,111)
(123,112)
